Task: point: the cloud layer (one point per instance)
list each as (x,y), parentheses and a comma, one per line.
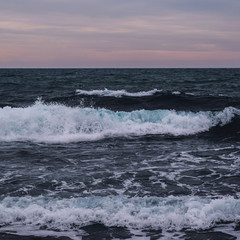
(111,33)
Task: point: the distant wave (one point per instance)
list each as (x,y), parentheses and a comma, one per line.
(59,123)
(152,100)
(170,213)
(121,100)
(117,93)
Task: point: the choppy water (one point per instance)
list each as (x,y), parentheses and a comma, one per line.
(120,153)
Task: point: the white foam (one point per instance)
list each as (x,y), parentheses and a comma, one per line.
(58,123)
(117,93)
(170,213)
(176,93)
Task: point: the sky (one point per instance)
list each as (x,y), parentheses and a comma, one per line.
(119,33)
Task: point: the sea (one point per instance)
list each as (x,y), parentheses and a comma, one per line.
(119,154)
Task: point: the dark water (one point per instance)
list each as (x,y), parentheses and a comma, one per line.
(119,154)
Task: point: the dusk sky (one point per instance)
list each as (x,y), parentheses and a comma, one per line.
(119,33)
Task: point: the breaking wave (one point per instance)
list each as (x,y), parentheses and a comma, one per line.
(59,123)
(170,213)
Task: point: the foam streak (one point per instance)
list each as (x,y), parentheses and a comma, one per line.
(117,93)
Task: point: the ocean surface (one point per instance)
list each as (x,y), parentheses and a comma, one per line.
(119,154)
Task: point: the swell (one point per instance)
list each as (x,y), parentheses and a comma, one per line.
(229,130)
(59,123)
(122,100)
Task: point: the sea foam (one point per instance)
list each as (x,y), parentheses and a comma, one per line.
(60,123)
(117,93)
(170,213)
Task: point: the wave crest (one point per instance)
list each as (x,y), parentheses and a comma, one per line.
(116,93)
(59,123)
